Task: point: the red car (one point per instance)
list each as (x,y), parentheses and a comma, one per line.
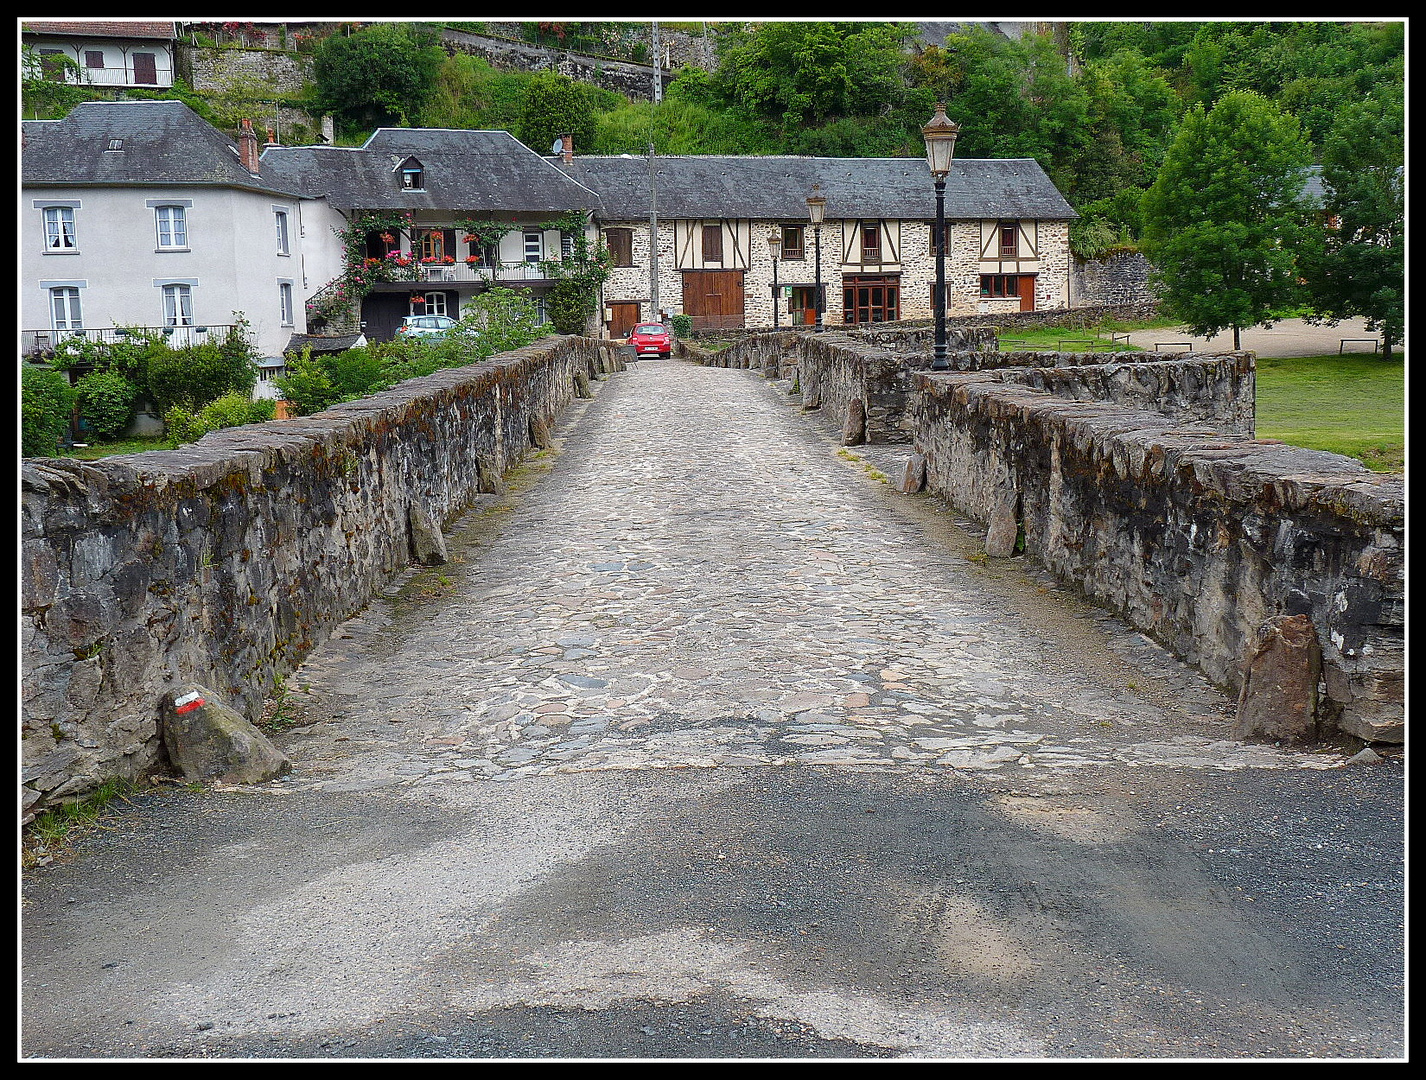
(651,337)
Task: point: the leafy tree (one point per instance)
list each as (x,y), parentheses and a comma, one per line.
(380,75)
(306,386)
(197,375)
(46,400)
(1359,269)
(807,73)
(1224,219)
(106,401)
(556,105)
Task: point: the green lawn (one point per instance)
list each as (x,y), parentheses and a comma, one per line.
(1353,405)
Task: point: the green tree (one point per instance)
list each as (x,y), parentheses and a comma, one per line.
(1360,267)
(46,399)
(1224,220)
(106,401)
(555,105)
(807,73)
(378,76)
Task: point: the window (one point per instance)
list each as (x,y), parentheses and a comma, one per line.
(177,305)
(413,175)
(534,247)
(620,243)
(435,244)
(93,59)
(52,64)
(431,303)
(713,243)
(871,242)
(793,242)
(172,227)
(64,309)
(871,299)
(284,300)
(566,246)
(1009,240)
(999,285)
(59,229)
(282,240)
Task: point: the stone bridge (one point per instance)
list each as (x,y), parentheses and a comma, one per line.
(556,561)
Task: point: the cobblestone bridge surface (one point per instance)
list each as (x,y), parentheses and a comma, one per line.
(703,581)
(708,744)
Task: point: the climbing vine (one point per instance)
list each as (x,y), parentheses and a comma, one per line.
(574,297)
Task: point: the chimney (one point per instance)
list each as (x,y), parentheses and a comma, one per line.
(247,147)
(567,148)
(271,138)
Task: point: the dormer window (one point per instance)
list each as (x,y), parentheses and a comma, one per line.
(413,175)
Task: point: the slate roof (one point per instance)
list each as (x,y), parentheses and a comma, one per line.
(776,188)
(464,171)
(164,142)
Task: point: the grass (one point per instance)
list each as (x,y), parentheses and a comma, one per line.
(1353,405)
(53,831)
(96,450)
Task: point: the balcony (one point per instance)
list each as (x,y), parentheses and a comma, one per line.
(461,272)
(37,343)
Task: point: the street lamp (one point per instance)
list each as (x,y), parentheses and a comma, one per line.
(940,135)
(816,211)
(774,243)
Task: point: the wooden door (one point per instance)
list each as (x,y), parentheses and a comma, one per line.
(623,317)
(713,298)
(1027,292)
(145,69)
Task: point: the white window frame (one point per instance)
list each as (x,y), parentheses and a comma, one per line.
(59,229)
(171,226)
(177,305)
(284,246)
(534,245)
(65,311)
(284,300)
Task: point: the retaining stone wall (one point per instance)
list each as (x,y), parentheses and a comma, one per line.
(1194,536)
(226,562)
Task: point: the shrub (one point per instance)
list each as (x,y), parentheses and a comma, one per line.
(306,386)
(682,325)
(184,425)
(201,373)
(46,401)
(106,401)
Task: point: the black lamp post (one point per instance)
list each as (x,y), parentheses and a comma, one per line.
(774,243)
(940,134)
(816,211)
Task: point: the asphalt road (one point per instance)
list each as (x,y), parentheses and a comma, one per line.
(708,745)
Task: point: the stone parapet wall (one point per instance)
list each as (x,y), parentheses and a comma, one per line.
(1195,536)
(226,562)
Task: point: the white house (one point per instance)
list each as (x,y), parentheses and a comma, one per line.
(115,52)
(141,214)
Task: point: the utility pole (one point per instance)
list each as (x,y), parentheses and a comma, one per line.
(658,69)
(653,236)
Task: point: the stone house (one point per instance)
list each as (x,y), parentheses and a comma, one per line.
(142,214)
(873,254)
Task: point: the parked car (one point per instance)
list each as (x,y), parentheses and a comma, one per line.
(651,338)
(425,325)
